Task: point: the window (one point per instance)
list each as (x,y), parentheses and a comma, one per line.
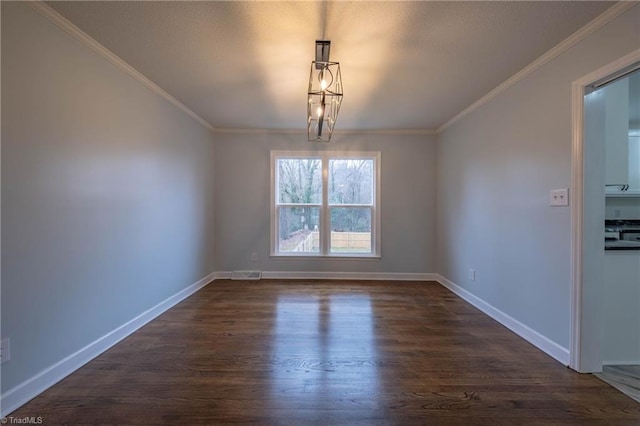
(325,204)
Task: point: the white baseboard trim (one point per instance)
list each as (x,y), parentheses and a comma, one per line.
(22,393)
(30,388)
(546,345)
(221,275)
(325,275)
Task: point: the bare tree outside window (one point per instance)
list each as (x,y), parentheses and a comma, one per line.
(300,195)
(325,203)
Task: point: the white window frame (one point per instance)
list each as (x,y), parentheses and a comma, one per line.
(325,232)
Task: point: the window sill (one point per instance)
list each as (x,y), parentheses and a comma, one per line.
(325,257)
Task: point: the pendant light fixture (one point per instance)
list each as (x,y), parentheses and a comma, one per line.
(324,94)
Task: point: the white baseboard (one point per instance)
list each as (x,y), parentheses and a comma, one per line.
(30,388)
(546,345)
(223,275)
(325,275)
(22,393)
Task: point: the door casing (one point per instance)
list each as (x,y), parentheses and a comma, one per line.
(585,336)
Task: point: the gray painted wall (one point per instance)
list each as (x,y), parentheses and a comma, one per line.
(495,169)
(407,184)
(108,194)
(107,204)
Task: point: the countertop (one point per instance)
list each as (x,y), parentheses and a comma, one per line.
(622,245)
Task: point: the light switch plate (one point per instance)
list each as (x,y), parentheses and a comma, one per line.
(559,197)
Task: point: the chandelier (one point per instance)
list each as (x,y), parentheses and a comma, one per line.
(325,94)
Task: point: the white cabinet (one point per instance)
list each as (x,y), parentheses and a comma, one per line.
(616,96)
(634,163)
(621,303)
(633,172)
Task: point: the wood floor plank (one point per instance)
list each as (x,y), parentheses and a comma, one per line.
(318,352)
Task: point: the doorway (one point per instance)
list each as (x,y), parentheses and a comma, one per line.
(588,216)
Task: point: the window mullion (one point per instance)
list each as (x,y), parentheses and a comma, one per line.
(324,215)
(374,228)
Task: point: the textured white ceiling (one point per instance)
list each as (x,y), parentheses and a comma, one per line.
(405,65)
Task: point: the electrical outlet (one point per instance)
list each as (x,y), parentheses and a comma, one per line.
(472,274)
(5,353)
(559,197)
(254,257)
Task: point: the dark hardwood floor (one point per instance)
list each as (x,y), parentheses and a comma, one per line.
(318,352)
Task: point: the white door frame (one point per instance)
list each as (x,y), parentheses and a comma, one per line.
(579,357)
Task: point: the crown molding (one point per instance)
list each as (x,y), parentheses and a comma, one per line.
(336,132)
(71,29)
(261,131)
(386,132)
(75,32)
(63,23)
(600,21)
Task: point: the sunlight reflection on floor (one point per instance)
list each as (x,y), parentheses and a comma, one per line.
(323,349)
